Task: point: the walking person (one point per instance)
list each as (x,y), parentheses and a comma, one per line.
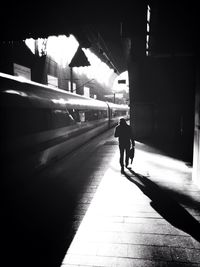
(124,133)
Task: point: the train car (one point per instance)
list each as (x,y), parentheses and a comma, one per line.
(40,124)
(117,111)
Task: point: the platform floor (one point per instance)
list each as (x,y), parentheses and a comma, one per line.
(82,211)
(148,216)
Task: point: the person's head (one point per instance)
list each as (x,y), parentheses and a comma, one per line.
(122,121)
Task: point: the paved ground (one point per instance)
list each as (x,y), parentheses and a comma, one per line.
(148,216)
(83,212)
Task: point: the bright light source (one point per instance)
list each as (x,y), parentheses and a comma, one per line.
(148,13)
(117,87)
(31,44)
(59,48)
(62,48)
(148,27)
(98,70)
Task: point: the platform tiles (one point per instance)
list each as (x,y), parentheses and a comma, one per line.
(121,228)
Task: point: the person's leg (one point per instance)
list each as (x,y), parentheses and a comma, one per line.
(121,160)
(127,156)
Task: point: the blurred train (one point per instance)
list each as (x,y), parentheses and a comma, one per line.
(40,124)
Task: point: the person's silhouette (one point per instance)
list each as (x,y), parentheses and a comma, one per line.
(124,133)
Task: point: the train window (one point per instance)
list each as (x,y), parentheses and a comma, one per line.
(75,114)
(113,113)
(118,113)
(87,115)
(61,118)
(38,120)
(103,114)
(82,116)
(91,115)
(21,121)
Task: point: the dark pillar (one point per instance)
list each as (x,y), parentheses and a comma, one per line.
(71,79)
(135,44)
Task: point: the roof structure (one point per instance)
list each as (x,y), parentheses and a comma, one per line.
(79,59)
(105,29)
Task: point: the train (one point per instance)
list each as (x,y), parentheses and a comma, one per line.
(40,124)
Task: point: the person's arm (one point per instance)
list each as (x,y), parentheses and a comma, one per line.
(116,132)
(132,137)
(133,142)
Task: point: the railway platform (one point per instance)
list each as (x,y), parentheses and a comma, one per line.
(148,216)
(82,211)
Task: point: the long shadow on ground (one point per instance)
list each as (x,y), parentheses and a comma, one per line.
(41,213)
(38,225)
(39,220)
(166,206)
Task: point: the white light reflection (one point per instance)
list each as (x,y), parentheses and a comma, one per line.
(15,92)
(59,101)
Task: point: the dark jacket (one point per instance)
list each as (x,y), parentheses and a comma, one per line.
(124,132)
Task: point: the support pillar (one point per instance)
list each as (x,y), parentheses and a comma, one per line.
(71,79)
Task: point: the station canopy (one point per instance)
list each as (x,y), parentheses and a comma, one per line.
(106,27)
